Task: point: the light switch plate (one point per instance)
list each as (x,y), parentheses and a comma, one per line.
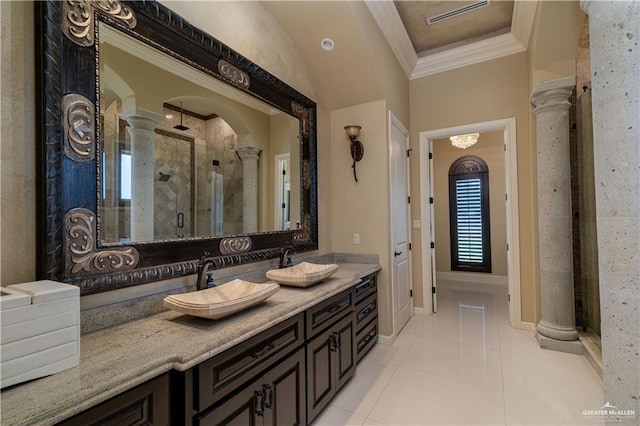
(356,238)
(417,224)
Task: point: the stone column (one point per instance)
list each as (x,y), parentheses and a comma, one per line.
(614,28)
(556,329)
(249,154)
(142,176)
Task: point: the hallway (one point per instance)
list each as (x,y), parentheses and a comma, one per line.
(465,365)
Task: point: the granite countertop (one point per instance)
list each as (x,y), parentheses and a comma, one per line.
(119,358)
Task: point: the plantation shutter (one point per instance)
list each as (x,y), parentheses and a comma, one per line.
(469,219)
(469,215)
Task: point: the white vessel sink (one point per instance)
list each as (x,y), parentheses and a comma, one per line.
(303,274)
(218,302)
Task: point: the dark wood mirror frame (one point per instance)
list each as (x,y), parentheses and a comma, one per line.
(67,115)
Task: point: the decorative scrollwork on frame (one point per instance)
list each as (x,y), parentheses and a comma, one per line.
(234,74)
(78,18)
(304,236)
(303,114)
(235,245)
(79,128)
(82,256)
(306,175)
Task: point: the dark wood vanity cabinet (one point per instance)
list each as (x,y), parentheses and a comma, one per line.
(276,398)
(283,376)
(366,315)
(331,354)
(146,404)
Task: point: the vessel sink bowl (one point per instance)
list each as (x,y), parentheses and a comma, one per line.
(303,274)
(218,302)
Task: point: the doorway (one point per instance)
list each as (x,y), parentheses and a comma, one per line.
(429,284)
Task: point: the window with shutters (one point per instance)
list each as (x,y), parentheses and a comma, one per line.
(469,215)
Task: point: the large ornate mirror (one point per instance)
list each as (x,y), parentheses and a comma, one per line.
(160,146)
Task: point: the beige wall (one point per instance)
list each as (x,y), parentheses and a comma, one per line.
(487,91)
(17,138)
(490,149)
(362,207)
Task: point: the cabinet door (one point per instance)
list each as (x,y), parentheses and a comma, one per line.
(345,352)
(246,408)
(284,392)
(320,373)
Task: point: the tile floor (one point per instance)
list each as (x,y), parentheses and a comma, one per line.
(465,366)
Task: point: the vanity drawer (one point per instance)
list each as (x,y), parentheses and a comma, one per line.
(224,373)
(328,312)
(366,310)
(366,338)
(365,287)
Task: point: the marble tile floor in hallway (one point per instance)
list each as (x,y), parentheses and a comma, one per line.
(465,366)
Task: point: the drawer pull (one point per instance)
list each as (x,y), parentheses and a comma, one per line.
(335,309)
(369,337)
(268,348)
(334,341)
(268,396)
(370,307)
(259,403)
(364,286)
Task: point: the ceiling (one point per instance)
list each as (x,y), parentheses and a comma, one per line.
(469,23)
(498,29)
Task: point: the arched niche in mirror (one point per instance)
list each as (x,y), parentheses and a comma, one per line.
(144,123)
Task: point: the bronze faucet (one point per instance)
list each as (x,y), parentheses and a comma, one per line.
(285,257)
(205,278)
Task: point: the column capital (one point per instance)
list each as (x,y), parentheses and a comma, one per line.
(249,150)
(552,95)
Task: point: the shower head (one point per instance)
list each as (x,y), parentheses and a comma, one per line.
(164,177)
(180,126)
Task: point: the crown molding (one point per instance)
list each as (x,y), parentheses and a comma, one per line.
(388,19)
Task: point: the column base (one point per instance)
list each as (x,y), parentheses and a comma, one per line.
(556,332)
(573,347)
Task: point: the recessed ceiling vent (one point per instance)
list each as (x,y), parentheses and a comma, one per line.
(456,12)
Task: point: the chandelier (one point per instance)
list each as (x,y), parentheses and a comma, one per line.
(464,141)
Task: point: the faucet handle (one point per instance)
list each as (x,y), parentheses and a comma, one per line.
(210,280)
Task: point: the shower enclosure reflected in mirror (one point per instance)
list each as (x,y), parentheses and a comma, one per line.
(186,134)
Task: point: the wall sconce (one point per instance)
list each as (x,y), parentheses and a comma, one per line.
(357,150)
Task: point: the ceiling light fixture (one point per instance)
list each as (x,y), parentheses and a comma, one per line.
(327,44)
(464,141)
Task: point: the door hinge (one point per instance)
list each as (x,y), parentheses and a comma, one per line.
(433,290)
(505,147)
(433,245)
(507,246)
(409,152)
(409,200)
(410,293)
(430,200)
(431,156)
(409,246)
(506,197)
(509,297)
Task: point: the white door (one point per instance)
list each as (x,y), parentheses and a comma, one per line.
(401,267)
(432,232)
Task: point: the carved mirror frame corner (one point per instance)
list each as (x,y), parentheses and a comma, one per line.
(67,168)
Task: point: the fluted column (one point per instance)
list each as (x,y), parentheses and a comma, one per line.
(556,329)
(614,28)
(142,176)
(249,153)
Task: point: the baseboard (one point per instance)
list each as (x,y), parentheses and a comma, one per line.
(421,311)
(473,277)
(527,326)
(386,340)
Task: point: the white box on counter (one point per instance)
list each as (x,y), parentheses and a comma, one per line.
(39,330)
